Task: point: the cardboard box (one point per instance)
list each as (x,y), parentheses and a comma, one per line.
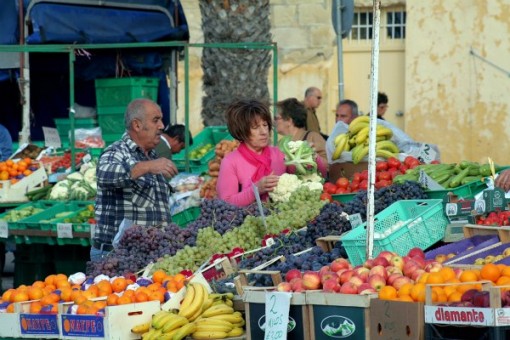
(16,192)
(503,232)
(396,320)
(339,315)
(299,322)
(9,325)
(37,326)
(337,170)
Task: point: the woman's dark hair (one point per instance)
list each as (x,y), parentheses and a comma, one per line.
(293,109)
(242,113)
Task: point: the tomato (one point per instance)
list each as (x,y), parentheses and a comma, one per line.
(381,166)
(403,168)
(356,177)
(435,162)
(354,185)
(342,182)
(342,191)
(363,185)
(393,162)
(385,176)
(410,160)
(326,197)
(364,175)
(329,188)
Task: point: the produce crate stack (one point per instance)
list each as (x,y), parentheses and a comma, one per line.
(112,97)
(32,262)
(64,126)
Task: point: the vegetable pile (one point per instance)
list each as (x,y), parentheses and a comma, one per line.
(80,185)
(299,154)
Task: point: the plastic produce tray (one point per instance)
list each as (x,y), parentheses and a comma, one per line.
(120,91)
(470,260)
(38,204)
(186,216)
(64,125)
(465,191)
(209,135)
(344,198)
(423,225)
(461,246)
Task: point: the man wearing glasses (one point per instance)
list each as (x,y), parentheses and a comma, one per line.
(313,98)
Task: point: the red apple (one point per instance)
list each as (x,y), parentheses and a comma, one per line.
(397,261)
(292,274)
(329,275)
(362,273)
(356,281)
(410,267)
(381,261)
(379,270)
(346,276)
(338,264)
(391,278)
(416,252)
(297,285)
(377,281)
(323,270)
(416,274)
(284,287)
(420,261)
(366,288)
(331,286)
(369,263)
(433,267)
(311,280)
(338,273)
(386,254)
(348,288)
(393,270)
(400,281)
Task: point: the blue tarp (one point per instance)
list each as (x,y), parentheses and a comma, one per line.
(65,24)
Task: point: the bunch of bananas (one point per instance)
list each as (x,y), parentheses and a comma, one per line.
(201,315)
(356,141)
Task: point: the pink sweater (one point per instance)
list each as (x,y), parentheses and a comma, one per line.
(236,172)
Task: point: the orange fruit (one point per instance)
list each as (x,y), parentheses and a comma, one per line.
(423,277)
(124,300)
(93,289)
(505,271)
(158,276)
(141,297)
(448,290)
(35,307)
(130,293)
(27,172)
(50,279)
(62,284)
(79,299)
(468,276)
(447,273)
(112,299)
(179,277)
(434,278)
(172,286)
(6,296)
(38,284)
(100,304)
(27,160)
(405,298)
(454,280)
(387,293)
(19,296)
(405,289)
(89,294)
(490,272)
(119,284)
(10,308)
(65,294)
(465,287)
(455,297)
(4,175)
(142,289)
(418,292)
(159,296)
(9,162)
(105,286)
(35,293)
(154,286)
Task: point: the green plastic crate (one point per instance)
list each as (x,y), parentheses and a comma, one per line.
(466,191)
(70,259)
(186,216)
(37,221)
(38,204)
(344,198)
(77,228)
(423,223)
(111,119)
(209,135)
(121,91)
(64,125)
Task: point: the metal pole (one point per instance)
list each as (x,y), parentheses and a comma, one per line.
(374,80)
(186,103)
(172,74)
(71,107)
(340,57)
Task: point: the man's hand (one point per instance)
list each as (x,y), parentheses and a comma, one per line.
(160,166)
(503,180)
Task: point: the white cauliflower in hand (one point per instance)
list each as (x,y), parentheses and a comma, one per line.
(287,184)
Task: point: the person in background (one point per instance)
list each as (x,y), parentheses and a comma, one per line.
(173,140)
(255,161)
(131,180)
(503,180)
(313,99)
(291,120)
(382,104)
(346,111)
(5,143)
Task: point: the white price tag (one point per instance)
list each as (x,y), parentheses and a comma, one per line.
(92,231)
(64,230)
(269,242)
(427,182)
(355,220)
(4,229)
(426,154)
(51,137)
(277,315)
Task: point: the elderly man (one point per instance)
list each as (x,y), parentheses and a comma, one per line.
(131,179)
(346,111)
(312,101)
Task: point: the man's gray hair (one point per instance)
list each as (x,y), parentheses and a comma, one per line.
(352,104)
(136,110)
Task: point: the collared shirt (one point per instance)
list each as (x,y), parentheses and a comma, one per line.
(144,201)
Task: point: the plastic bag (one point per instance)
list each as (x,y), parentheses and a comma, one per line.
(125,224)
(405,143)
(88,138)
(186,182)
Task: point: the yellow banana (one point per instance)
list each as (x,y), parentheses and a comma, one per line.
(211,321)
(152,334)
(384,154)
(358,123)
(196,315)
(207,303)
(239,324)
(141,328)
(169,335)
(229,303)
(217,310)
(198,301)
(224,295)
(387,145)
(359,155)
(237,331)
(158,321)
(362,136)
(384,131)
(188,297)
(201,327)
(219,302)
(232,318)
(340,146)
(174,323)
(184,331)
(209,335)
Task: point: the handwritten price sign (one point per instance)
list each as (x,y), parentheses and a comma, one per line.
(427,154)
(277,315)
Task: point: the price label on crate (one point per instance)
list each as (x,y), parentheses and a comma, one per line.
(64,230)
(427,182)
(277,315)
(4,229)
(427,154)
(355,220)
(51,137)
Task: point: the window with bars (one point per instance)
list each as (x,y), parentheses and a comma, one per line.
(395,26)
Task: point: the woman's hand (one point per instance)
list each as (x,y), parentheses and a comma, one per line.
(267,183)
(503,180)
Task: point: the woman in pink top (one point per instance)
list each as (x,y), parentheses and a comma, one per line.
(254,161)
